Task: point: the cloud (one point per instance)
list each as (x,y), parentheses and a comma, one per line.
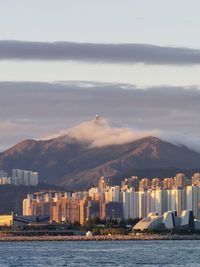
(102,53)
(36,110)
(180,139)
(99,132)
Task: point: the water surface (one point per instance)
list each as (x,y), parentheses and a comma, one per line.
(100,253)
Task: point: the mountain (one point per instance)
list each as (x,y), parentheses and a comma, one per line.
(68,162)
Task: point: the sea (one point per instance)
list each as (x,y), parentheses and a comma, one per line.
(100,253)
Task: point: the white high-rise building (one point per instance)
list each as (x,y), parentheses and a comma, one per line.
(160,201)
(112,194)
(128,203)
(193,200)
(156,201)
(176,200)
(23,177)
(142,204)
(136,205)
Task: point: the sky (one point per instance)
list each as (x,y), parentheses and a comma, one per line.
(135,62)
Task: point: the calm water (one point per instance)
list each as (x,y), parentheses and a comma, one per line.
(110,253)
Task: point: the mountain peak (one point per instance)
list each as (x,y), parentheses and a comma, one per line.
(98,133)
(152,139)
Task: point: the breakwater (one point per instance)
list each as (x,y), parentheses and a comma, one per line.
(9,238)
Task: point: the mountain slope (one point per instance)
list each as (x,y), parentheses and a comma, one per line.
(66,161)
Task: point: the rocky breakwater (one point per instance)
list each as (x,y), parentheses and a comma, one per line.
(9,238)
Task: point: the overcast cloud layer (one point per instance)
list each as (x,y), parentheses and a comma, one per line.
(38,110)
(89,52)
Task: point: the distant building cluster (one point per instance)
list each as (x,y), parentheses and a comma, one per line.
(19,177)
(134,199)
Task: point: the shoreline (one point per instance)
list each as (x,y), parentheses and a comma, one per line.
(99,238)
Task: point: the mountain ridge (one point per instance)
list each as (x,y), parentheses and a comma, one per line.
(73,163)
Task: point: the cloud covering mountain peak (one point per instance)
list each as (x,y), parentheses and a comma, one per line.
(100,133)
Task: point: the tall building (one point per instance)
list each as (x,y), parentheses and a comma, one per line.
(89,210)
(196,179)
(144,184)
(142,204)
(94,193)
(176,200)
(156,183)
(27,204)
(112,194)
(23,177)
(168,183)
(112,210)
(193,200)
(133,181)
(128,203)
(83,211)
(180,180)
(103,182)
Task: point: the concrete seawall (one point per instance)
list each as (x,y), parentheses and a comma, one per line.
(98,238)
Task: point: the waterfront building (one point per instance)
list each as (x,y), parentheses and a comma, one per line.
(167,221)
(176,200)
(156,201)
(128,203)
(27,205)
(112,210)
(142,204)
(83,211)
(193,200)
(57,205)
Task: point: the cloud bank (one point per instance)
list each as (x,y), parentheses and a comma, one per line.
(102,53)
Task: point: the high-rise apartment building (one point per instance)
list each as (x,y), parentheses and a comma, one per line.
(193,200)
(103,182)
(133,181)
(180,180)
(144,184)
(168,183)
(112,194)
(196,179)
(23,177)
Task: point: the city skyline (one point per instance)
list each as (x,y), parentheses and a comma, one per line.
(134,199)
